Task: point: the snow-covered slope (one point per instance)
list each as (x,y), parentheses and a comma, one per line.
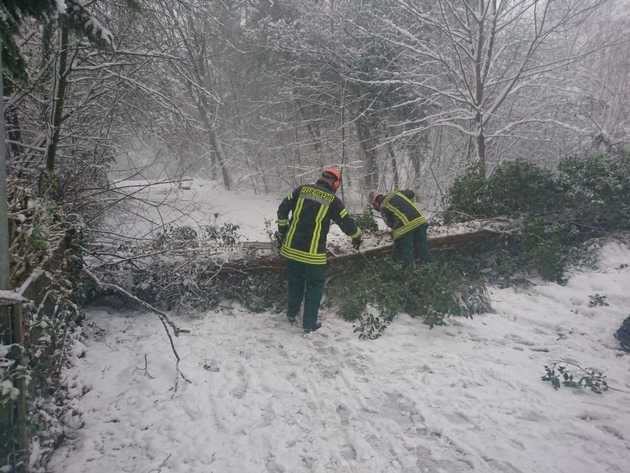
(264,397)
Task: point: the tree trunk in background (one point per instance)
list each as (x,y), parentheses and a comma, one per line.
(366,141)
(343,133)
(4,211)
(315,132)
(480,141)
(218,149)
(417,152)
(217,155)
(392,157)
(14,133)
(59,99)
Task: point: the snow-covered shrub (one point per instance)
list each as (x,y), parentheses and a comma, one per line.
(41,238)
(597,189)
(520,186)
(468,198)
(176,237)
(514,188)
(586,197)
(35,228)
(190,287)
(187,271)
(54,325)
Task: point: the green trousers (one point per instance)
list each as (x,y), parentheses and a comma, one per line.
(413,247)
(306,282)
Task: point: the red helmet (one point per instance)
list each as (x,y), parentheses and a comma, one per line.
(333,173)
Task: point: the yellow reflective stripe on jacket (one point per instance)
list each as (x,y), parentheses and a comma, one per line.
(283,222)
(415,223)
(294,221)
(323,210)
(357,233)
(403,196)
(401,216)
(387,198)
(343,213)
(303,256)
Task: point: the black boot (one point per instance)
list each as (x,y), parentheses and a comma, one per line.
(312,329)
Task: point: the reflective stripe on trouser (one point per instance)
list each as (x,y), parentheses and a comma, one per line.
(306,281)
(413,246)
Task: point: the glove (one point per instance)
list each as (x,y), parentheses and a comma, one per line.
(278,239)
(356,242)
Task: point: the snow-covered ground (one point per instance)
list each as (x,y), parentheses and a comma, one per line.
(264,397)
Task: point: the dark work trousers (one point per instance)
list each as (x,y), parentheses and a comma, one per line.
(414,247)
(306,281)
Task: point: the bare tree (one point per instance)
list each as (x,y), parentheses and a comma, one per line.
(474,63)
(198,36)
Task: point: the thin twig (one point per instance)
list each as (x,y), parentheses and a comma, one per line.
(146,367)
(166,321)
(162,465)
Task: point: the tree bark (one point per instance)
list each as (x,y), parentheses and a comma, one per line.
(12,126)
(484,231)
(366,140)
(392,157)
(60,97)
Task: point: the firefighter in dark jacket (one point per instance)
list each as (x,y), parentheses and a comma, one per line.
(303,237)
(408,223)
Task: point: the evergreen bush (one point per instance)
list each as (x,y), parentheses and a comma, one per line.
(586,197)
(520,187)
(514,188)
(597,190)
(469,197)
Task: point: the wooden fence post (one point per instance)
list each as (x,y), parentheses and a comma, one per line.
(14,436)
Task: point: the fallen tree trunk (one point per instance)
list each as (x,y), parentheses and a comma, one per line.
(474,233)
(202,283)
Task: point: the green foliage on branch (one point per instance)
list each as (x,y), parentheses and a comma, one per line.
(366,222)
(469,197)
(597,191)
(597,300)
(514,188)
(558,374)
(585,197)
(374,296)
(593,191)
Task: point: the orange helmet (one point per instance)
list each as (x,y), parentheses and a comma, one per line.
(376,200)
(333,173)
